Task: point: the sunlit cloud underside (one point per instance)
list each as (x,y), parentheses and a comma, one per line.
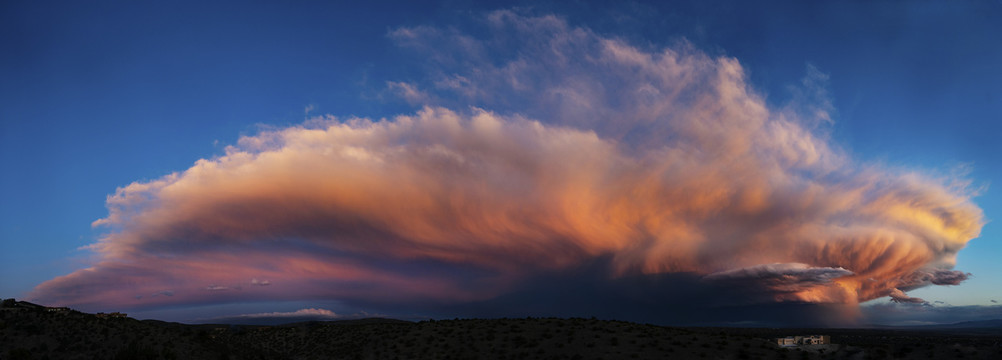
(541,152)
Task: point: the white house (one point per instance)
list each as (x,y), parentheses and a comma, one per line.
(803,340)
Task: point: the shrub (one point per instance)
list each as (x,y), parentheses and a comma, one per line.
(19,353)
(136,351)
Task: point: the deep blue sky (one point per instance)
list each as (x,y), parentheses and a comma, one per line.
(94,96)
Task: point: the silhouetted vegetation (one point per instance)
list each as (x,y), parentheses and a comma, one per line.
(34,333)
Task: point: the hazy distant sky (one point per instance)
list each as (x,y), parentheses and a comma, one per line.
(666,160)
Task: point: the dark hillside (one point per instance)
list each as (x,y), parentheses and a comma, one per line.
(38,333)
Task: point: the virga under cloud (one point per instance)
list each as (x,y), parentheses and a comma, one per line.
(541,147)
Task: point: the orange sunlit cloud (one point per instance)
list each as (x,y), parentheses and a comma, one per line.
(660,161)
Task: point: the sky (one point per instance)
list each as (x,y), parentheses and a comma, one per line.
(681,163)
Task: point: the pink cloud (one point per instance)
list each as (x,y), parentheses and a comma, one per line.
(664,161)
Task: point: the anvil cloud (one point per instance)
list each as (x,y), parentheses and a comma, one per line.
(541,148)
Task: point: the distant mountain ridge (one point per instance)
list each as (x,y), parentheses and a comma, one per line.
(980,327)
(982,324)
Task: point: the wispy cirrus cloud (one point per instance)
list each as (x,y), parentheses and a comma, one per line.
(545,148)
(407,91)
